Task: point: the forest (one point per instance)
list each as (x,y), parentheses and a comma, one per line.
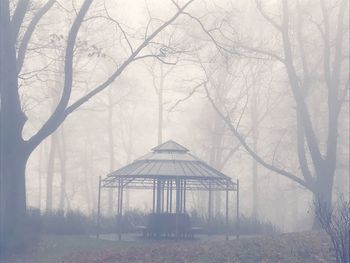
(174,131)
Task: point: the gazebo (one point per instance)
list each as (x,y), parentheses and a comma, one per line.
(170,171)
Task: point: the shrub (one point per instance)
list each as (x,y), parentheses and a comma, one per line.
(75,222)
(58,222)
(336,223)
(217,225)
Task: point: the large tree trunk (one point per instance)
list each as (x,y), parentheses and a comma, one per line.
(12,195)
(13,151)
(324,186)
(323,194)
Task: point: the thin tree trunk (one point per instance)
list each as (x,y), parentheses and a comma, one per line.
(160,106)
(255,136)
(50,172)
(111,149)
(62,153)
(128,160)
(215,159)
(86,166)
(40,168)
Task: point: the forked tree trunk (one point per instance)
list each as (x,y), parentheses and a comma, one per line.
(14,153)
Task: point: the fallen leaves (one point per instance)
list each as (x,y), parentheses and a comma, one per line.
(301,247)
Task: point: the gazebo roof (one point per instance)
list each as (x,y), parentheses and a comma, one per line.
(170,146)
(170,160)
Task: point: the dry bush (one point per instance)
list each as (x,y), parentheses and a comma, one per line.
(336,223)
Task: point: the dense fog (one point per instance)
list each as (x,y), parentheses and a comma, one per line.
(256,89)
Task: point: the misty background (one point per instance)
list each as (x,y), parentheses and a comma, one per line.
(124,122)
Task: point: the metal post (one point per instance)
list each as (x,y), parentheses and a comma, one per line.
(237,215)
(118,201)
(98,207)
(121,195)
(209,202)
(181,195)
(184,189)
(177,195)
(159,196)
(118,208)
(227,225)
(154,196)
(177,207)
(162,201)
(171,196)
(121,210)
(167,196)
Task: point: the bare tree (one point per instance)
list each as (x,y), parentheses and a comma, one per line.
(15,150)
(304,76)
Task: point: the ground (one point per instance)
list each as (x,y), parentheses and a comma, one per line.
(303,247)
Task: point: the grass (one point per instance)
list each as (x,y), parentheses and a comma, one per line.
(58,246)
(53,248)
(304,247)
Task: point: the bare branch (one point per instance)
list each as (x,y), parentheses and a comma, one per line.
(337,62)
(128,61)
(302,48)
(177,6)
(297,92)
(243,111)
(215,42)
(120,27)
(18,16)
(29,32)
(62,111)
(238,145)
(265,15)
(261,51)
(344,93)
(304,166)
(193,91)
(158,57)
(250,151)
(58,115)
(326,49)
